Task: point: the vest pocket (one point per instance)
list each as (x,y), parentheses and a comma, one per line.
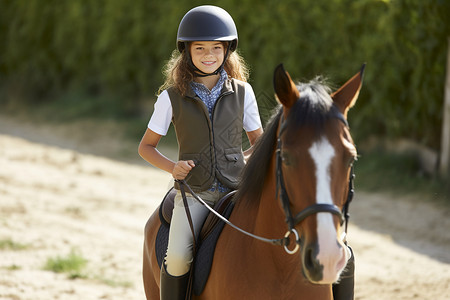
(232,157)
(234,163)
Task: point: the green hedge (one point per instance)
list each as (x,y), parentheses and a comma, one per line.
(115,49)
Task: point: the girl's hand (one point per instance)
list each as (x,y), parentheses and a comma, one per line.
(182,169)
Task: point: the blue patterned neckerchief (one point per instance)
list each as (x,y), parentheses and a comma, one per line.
(209,97)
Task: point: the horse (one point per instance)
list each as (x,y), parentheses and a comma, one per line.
(295,186)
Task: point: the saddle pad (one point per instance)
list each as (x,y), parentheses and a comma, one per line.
(205,252)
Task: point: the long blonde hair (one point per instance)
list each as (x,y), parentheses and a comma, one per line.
(179,74)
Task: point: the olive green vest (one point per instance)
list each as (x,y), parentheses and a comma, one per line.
(214,144)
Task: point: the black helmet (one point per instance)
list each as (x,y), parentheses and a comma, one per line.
(207,23)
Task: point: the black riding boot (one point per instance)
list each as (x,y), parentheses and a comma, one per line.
(344,290)
(173,287)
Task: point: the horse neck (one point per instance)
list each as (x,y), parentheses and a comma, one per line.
(268,220)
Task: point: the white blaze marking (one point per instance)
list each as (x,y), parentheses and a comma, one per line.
(322,153)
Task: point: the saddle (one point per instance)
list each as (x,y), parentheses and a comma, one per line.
(206,242)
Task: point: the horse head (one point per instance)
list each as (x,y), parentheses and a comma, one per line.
(315,154)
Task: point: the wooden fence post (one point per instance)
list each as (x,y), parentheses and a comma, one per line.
(444,165)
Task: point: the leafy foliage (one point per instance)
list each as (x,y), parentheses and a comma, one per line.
(115,50)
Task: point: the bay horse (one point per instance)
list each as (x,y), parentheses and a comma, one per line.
(296,181)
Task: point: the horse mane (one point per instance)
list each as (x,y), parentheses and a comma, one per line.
(314,107)
(256,169)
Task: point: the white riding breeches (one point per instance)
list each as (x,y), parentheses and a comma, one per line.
(179,254)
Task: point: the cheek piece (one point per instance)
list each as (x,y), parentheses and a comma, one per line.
(197,71)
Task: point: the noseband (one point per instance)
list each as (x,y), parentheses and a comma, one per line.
(281,191)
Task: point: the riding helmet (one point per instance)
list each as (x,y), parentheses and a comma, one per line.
(207,23)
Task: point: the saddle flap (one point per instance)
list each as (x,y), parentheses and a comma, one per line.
(212,219)
(167,204)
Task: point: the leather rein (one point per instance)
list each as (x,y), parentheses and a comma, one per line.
(281,191)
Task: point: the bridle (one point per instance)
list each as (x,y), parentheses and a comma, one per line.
(281,191)
(313,209)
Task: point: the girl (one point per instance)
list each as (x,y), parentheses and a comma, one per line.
(208,100)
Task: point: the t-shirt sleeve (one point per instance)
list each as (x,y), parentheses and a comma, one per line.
(162,115)
(252,120)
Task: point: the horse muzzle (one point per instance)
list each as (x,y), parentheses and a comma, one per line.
(324,267)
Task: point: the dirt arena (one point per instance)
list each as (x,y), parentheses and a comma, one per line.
(55,199)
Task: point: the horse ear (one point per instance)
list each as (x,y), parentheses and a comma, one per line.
(285,89)
(346,96)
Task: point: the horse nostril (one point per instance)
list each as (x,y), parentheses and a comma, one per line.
(311,264)
(309,258)
(311,261)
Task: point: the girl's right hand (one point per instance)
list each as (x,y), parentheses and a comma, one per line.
(182,169)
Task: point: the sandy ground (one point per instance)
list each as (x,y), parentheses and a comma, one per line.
(56,198)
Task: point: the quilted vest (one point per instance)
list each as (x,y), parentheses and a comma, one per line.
(214,144)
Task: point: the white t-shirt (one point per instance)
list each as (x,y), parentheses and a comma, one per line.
(162,115)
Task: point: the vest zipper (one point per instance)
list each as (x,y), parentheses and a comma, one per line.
(213,133)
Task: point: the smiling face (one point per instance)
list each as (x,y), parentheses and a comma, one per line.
(207,56)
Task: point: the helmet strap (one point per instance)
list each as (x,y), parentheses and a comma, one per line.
(200,73)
